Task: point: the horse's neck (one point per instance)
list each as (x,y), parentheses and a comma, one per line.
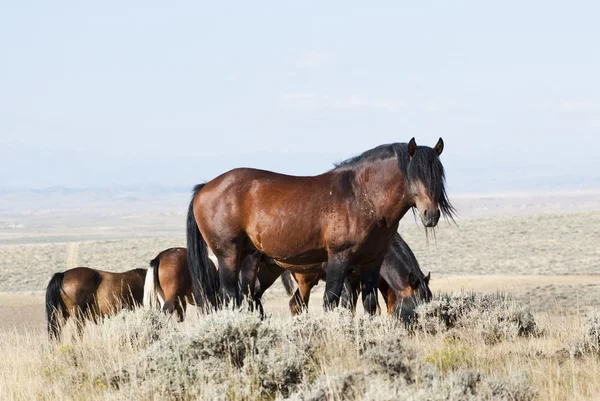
(384,189)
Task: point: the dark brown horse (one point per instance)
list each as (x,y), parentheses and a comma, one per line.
(168,282)
(401,283)
(345,217)
(84,293)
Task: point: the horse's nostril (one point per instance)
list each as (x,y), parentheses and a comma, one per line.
(425,213)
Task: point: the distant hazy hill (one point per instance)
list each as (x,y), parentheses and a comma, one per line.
(57,199)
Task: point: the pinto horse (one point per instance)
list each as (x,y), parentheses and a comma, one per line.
(345,217)
(84,293)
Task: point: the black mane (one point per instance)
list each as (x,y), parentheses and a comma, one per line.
(380,152)
(425,167)
(404,253)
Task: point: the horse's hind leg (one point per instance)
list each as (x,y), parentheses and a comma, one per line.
(174,305)
(169,306)
(229,266)
(299,301)
(297,304)
(182,306)
(79,318)
(266,275)
(249,270)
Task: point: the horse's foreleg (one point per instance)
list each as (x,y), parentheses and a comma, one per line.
(369,277)
(337,271)
(389,298)
(350,293)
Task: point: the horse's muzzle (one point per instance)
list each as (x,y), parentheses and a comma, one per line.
(430,219)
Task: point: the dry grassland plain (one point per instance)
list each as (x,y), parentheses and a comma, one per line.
(544,252)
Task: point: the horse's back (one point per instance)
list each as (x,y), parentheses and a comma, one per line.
(79,287)
(120,290)
(283,216)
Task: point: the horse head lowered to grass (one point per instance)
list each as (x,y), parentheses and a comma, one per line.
(83,293)
(346,217)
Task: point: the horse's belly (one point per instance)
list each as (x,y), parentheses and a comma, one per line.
(289,247)
(303,269)
(289,259)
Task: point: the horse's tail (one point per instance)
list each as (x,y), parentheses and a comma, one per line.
(55,306)
(288,282)
(204,281)
(151,285)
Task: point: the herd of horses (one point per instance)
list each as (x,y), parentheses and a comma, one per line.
(248,227)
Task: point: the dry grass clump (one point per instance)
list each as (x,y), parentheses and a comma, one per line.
(229,353)
(463,385)
(84,366)
(593,328)
(590,343)
(496,316)
(469,385)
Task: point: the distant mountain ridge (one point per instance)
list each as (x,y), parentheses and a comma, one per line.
(116,189)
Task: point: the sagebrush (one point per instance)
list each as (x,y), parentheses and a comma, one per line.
(145,354)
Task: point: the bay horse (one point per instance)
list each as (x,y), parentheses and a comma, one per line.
(168,283)
(344,217)
(84,293)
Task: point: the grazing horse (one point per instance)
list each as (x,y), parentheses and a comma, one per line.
(345,217)
(83,293)
(401,283)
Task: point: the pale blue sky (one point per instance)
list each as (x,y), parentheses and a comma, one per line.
(127,93)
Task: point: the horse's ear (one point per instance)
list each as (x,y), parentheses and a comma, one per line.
(427,278)
(412,147)
(439,147)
